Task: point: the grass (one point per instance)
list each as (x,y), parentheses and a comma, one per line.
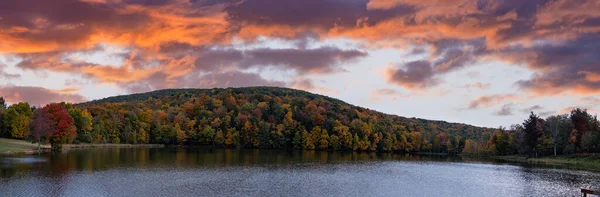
(580,161)
(17,146)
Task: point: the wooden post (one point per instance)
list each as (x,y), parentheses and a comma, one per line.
(585,192)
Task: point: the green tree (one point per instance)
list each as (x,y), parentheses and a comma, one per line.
(559,127)
(531,130)
(334,142)
(219,138)
(17,120)
(3,130)
(83,122)
(299,140)
(207,135)
(324,140)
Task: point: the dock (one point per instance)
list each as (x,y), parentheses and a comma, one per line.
(585,192)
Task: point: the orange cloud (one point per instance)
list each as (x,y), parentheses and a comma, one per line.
(67,90)
(556,39)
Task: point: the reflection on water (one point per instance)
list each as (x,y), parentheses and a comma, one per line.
(226,172)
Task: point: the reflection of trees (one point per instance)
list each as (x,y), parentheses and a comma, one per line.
(10,170)
(56,170)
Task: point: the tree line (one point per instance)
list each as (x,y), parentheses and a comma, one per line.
(576,132)
(267,117)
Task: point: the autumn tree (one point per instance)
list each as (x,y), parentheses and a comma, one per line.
(232,137)
(17,120)
(54,122)
(580,119)
(83,123)
(264,118)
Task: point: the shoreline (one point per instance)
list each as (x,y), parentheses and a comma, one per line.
(22,147)
(27,152)
(78,146)
(66,147)
(582,161)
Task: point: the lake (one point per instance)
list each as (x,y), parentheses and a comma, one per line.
(227,172)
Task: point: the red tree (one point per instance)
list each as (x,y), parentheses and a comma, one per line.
(54,124)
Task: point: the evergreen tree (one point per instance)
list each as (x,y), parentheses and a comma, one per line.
(530,128)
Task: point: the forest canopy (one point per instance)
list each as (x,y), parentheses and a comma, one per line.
(269,117)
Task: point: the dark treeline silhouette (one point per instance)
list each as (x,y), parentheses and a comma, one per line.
(268,117)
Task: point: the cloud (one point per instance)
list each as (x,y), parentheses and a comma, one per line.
(315,14)
(491,100)
(143,70)
(320,60)
(569,66)
(6,75)
(558,39)
(412,75)
(214,79)
(422,74)
(506,110)
(568,110)
(309,85)
(534,108)
(591,100)
(67,90)
(37,96)
(386,94)
(478,85)
(385,91)
(547,113)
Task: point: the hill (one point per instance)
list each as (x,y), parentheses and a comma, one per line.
(266,117)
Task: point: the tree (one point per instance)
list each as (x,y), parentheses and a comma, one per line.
(580,119)
(232,137)
(41,127)
(334,142)
(559,127)
(344,134)
(20,127)
(324,140)
(83,123)
(531,130)
(207,135)
(266,118)
(3,131)
(55,122)
(308,140)
(219,138)
(181,138)
(142,136)
(17,120)
(299,140)
(2,103)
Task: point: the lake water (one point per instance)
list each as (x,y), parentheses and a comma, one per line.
(219,172)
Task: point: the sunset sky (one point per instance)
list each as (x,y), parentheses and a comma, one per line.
(481,62)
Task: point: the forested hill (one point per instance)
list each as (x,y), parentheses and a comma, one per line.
(266,117)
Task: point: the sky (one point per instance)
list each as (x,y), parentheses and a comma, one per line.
(481,62)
